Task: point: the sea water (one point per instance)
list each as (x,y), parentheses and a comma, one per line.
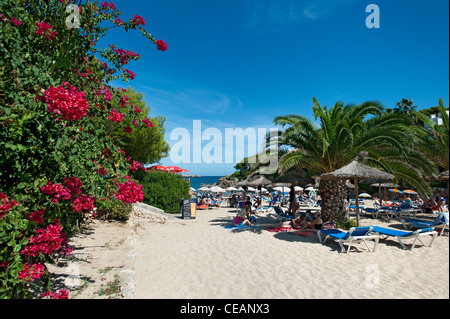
(196,182)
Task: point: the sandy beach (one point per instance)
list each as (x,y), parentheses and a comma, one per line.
(198,258)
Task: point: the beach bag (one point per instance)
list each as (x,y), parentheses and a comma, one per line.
(330,224)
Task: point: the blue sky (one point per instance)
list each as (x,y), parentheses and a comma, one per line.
(240,63)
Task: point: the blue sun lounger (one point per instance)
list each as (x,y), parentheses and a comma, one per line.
(441,221)
(355,234)
(401,235)
(281,215)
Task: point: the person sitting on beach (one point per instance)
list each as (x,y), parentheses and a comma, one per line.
(406,198)
(420,202)
(431,205)
(392,204)
(297,222)
(314,225)
(441,204)
(202,201)
(243,216)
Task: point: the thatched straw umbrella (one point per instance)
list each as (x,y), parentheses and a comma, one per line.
(259,182)
(357,171)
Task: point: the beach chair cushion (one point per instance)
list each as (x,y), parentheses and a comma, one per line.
(355,234)
(400,234)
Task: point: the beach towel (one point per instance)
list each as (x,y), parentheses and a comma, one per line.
(238,227)
(304,233)
(276,229)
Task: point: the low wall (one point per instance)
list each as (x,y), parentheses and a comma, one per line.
(143,212)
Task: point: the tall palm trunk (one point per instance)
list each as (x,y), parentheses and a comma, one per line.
(334,195)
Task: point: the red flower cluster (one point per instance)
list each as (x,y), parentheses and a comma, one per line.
(15,21)
(59,191)
(45,29)
(37,216)
(46,241)
(69,103)
(107,95)
(105,5)
(129,192)
(131,74)
(62,294)
(136,109)
(83,202)
(138,20)
(161,45)
(135,166)
(148,123)
(31,273)
(124,56)
(124,100)
(6,205)
(73,184)
(116,116)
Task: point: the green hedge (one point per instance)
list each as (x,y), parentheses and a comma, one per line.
(163,190)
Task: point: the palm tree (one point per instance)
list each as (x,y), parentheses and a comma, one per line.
(341,133)
(434,137)
(405,106)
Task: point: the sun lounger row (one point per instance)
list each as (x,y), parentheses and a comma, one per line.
(369,233)
(365,234)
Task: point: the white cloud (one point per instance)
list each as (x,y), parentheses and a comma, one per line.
(281,12)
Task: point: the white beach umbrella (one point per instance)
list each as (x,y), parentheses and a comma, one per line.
(217,189)
(298,188)
(281,189)
(251,189)
(231,188)
(204,189)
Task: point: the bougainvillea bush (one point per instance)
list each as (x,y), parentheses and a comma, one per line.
(57,162)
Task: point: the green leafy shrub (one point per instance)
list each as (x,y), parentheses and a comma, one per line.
(346,224)
(113,209)
(163,190)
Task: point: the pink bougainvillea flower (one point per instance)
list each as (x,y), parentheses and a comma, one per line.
(30,273)
(15,21)
(116,116)
(45,241)
(138,20)
(148,123)
(45,29)
(161,45)
(70,104)
(106,6)
(131,74)
(128,129)
(61,294)
(83,203)
(6,205)
(37,216)
(129,193)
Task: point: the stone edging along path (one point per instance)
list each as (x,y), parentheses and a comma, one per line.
(141,213)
